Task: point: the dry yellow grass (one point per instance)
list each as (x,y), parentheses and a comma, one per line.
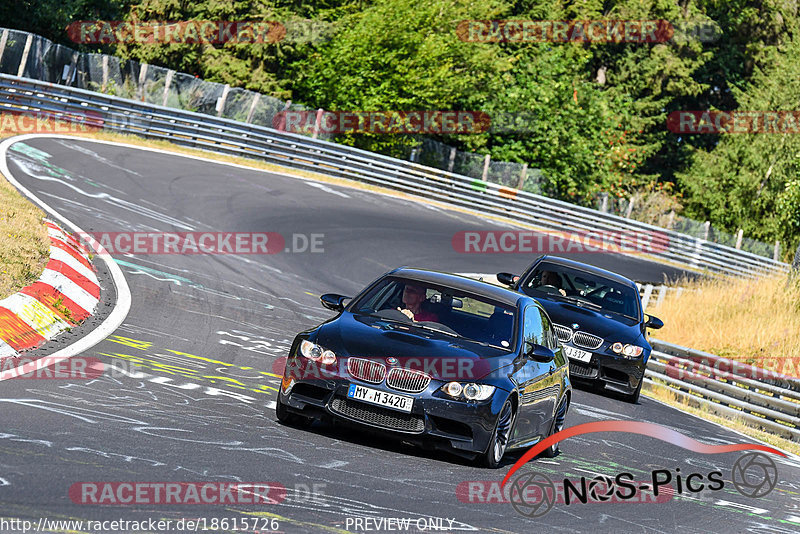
(754,321)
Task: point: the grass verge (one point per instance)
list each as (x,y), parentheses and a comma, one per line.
(24,244)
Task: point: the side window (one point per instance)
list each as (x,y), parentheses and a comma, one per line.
(547,329)
(532,331)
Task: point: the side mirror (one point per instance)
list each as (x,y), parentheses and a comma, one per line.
(653,322)
(507,279)
(539,353)
(332,301)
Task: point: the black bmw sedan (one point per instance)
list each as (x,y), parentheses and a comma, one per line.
(597,316)
(437,359)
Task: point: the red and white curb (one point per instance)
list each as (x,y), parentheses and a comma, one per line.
(66,294)
(67,291)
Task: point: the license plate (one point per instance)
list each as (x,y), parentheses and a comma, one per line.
(381,398)
(578,354)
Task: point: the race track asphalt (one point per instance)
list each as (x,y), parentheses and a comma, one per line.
(208,331)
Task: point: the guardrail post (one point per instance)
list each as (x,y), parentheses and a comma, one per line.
(142,78)
(413,156)
(3,40)
(452,162)
(648,291)
(24,60)
(167,83)
(630,208)
(104,62)
(671,220)
(253,105)
(70,70)
(796,262)
(221,100)
(486,161)
(317,124)
(604,205)
(739,236)
(706,230)
(777,253)
(662,292)
(522,176)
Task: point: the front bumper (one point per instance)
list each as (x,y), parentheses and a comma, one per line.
(614,372)
(435,421)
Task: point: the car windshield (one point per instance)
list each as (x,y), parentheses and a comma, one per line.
(550,280)
(441,310)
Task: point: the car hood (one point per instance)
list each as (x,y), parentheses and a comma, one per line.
(441,356)
(609,326)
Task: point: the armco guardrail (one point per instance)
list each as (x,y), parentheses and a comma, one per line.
(729,388)
(230,137)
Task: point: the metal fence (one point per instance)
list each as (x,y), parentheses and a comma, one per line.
(442,156)
(630,208)
(248,140)
(728,388)
(31,56)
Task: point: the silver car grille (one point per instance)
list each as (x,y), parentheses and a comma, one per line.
(407,380)
(366,370)
(586,340)
(579,339)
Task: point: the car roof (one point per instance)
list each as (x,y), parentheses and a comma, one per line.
(462,283)
(556,260)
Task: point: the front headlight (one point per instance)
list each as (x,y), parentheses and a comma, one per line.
(314,352)
(470,391)
(629,351)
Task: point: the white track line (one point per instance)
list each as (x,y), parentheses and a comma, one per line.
(123,303)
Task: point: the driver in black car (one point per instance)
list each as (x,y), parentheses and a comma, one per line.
(549,278)
(413,297)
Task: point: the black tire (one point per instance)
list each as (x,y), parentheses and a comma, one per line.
(558,425)
(633,398)
(503,428)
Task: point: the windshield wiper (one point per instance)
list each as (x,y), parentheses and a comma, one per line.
(578,302)
(432,329)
